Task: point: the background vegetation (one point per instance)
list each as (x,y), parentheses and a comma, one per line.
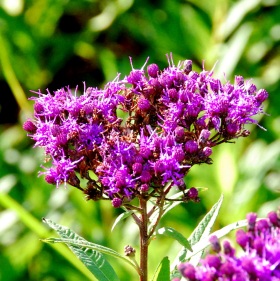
(51,44)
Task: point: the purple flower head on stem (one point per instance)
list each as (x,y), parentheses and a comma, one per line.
(141,133)
(259,260)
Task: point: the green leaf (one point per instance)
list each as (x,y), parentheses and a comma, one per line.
(162,272)
(200,233)
(227,229)
(204,227)
(91,258)
(202,244)
(121,217)
(89,253)
(171,232)
(95,262)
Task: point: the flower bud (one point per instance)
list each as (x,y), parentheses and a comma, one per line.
(143,104)
(252,89)
(207,151)
(145,152)
(179,134)
(273,218)
(159,167)
(129,251)
(173,95)
(145,177)
(192,193)
(232,128)
(239,81)
(116,202)
(191,146)
(187,66)
(153,70)
(262,95)
(179,154)
(135,76)
(215,243)
(137,168)
(251,218)
(38,108)
(144,187)
(29,127)
(204,136)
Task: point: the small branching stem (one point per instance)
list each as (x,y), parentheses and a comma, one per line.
(160,204)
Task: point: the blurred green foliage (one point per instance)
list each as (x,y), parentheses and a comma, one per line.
(51,44)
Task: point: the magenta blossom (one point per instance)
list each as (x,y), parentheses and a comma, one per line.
(140,133)
(260,260)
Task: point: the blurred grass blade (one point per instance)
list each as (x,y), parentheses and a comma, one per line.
(235,16)
(162,272)
(235,49)
(10,76)
(36,226)
(70,238)
(199,234)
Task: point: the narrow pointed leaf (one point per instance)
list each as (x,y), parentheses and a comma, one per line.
(201,232)
(227,229)
(95,262)
(171,232)
(204,227)
(71,238)
(121,217)
(162,272)
(202,244)
(92,259)
(88,245)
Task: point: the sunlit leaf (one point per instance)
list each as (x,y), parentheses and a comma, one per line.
(201,231)
(162,272)
(121,217)
(89,253)
(171,232)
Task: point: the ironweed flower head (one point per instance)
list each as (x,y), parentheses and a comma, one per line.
(139,133)
(260,259)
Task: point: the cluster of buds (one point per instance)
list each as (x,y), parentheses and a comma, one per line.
(260,259)
(140,133)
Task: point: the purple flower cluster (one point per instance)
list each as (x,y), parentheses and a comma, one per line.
(260,260)
(142,132)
